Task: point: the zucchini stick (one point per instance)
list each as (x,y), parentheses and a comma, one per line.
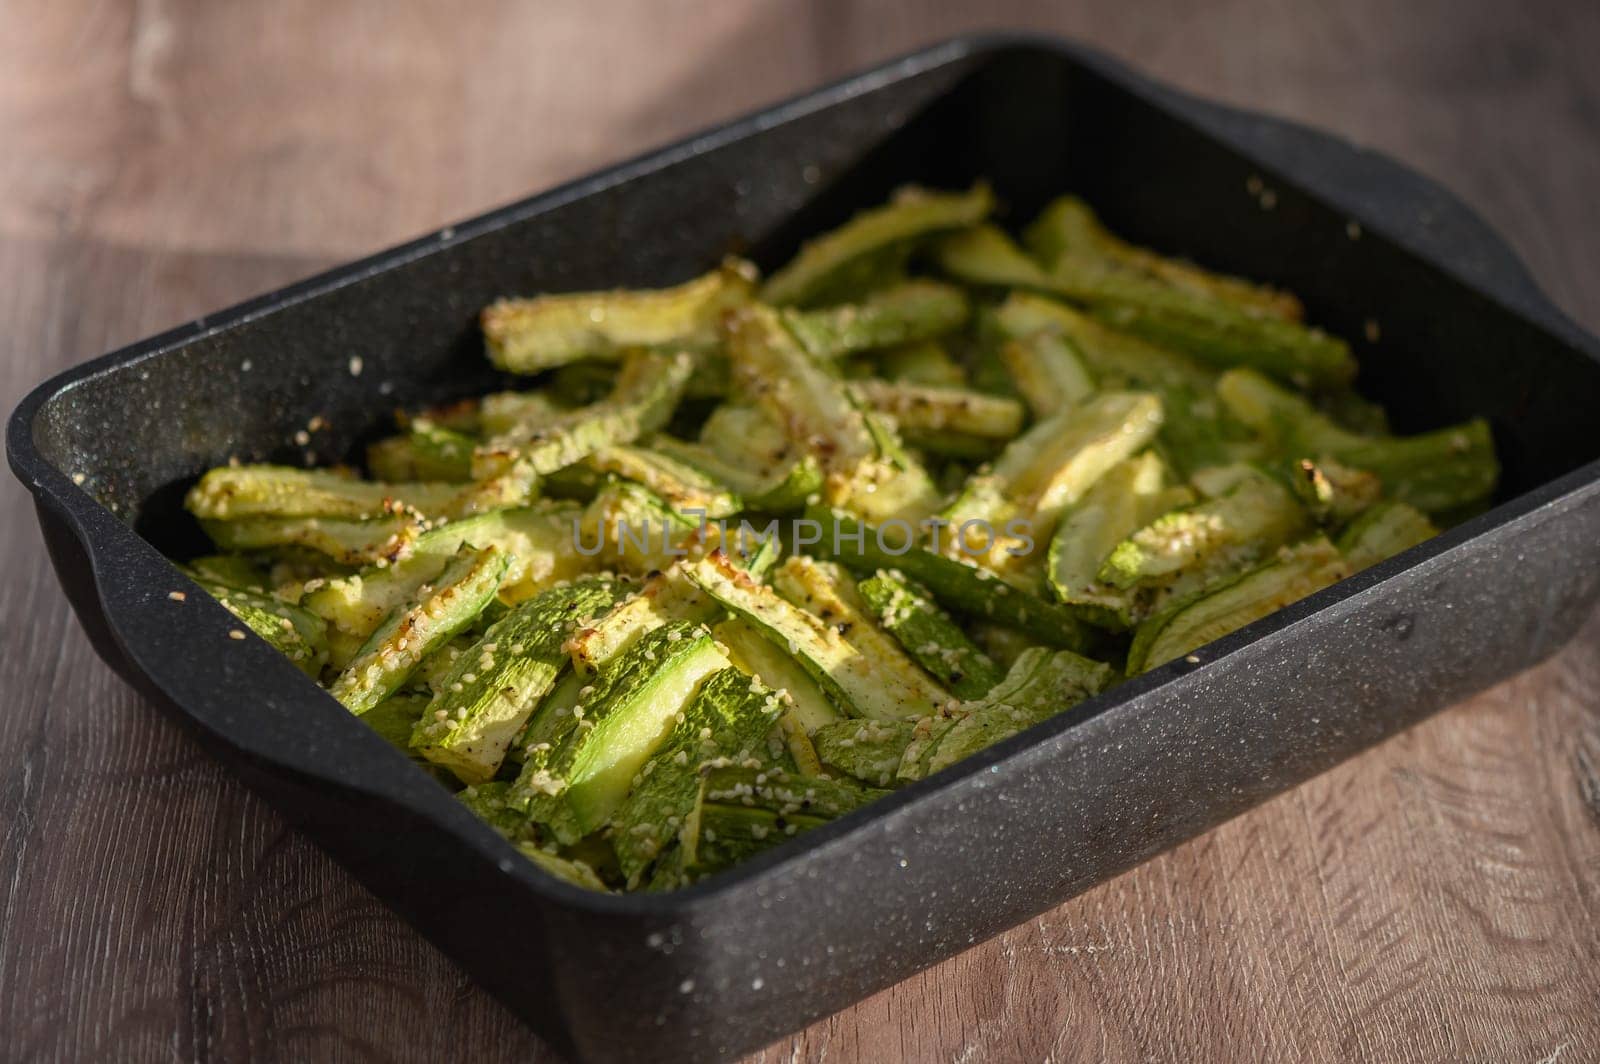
(1436,472)
(963,588)
(913,310)
(865,467)
(1212,614)
(530,335)
(928,634)
(389,657)
(1068,226)
(911,214)
(493,688)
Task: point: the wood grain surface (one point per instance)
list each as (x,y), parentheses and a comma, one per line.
(1435,899)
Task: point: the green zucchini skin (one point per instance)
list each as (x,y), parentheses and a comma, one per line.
(865,681)
(426,452)
(867,750)
(964,589)
(1212,613)
(297,634)
(1039,685)
(494,687)
(392,653)
(928,634)
(1382,531)
(620,722)
(727,721)
(741,810)
(1436,472)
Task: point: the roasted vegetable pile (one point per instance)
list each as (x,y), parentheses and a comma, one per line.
(748,554)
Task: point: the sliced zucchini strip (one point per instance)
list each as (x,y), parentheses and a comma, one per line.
(297,634)
(924,362)
(1069,227)
(681,484)
(1382,531)
(493,688)
(234,492)
(1437,472)
(1254,517)
(862,683)
(663,598)
(726,721)
(824,590)
(1295,573)
(1047,372)
(620,723)
(903,313)
(1214,331)
(928,634)
(346,542)
(963,588)
(868,750)
(1044,470)
(440,610)
(530,335)
(865,467)
(538,540)
(749,650)
(648,390)
(912,213)
(1127,498)
(781,491)
(425,453)
(930,409)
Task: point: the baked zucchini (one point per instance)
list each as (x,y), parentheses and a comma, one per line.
(493,688)
(1001,476)
(913,213)
(530,335)
(441,609)
(928,634)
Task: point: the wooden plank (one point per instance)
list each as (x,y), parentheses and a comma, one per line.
(1438,898)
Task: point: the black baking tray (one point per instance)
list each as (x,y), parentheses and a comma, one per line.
(1454,328)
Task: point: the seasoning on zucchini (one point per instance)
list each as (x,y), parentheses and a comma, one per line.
(1000,475)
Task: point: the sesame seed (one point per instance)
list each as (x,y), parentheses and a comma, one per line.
(176,596)
(234,633)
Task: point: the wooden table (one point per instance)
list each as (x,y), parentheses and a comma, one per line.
(1438,898)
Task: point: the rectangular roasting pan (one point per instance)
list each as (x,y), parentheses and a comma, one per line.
(834,915)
